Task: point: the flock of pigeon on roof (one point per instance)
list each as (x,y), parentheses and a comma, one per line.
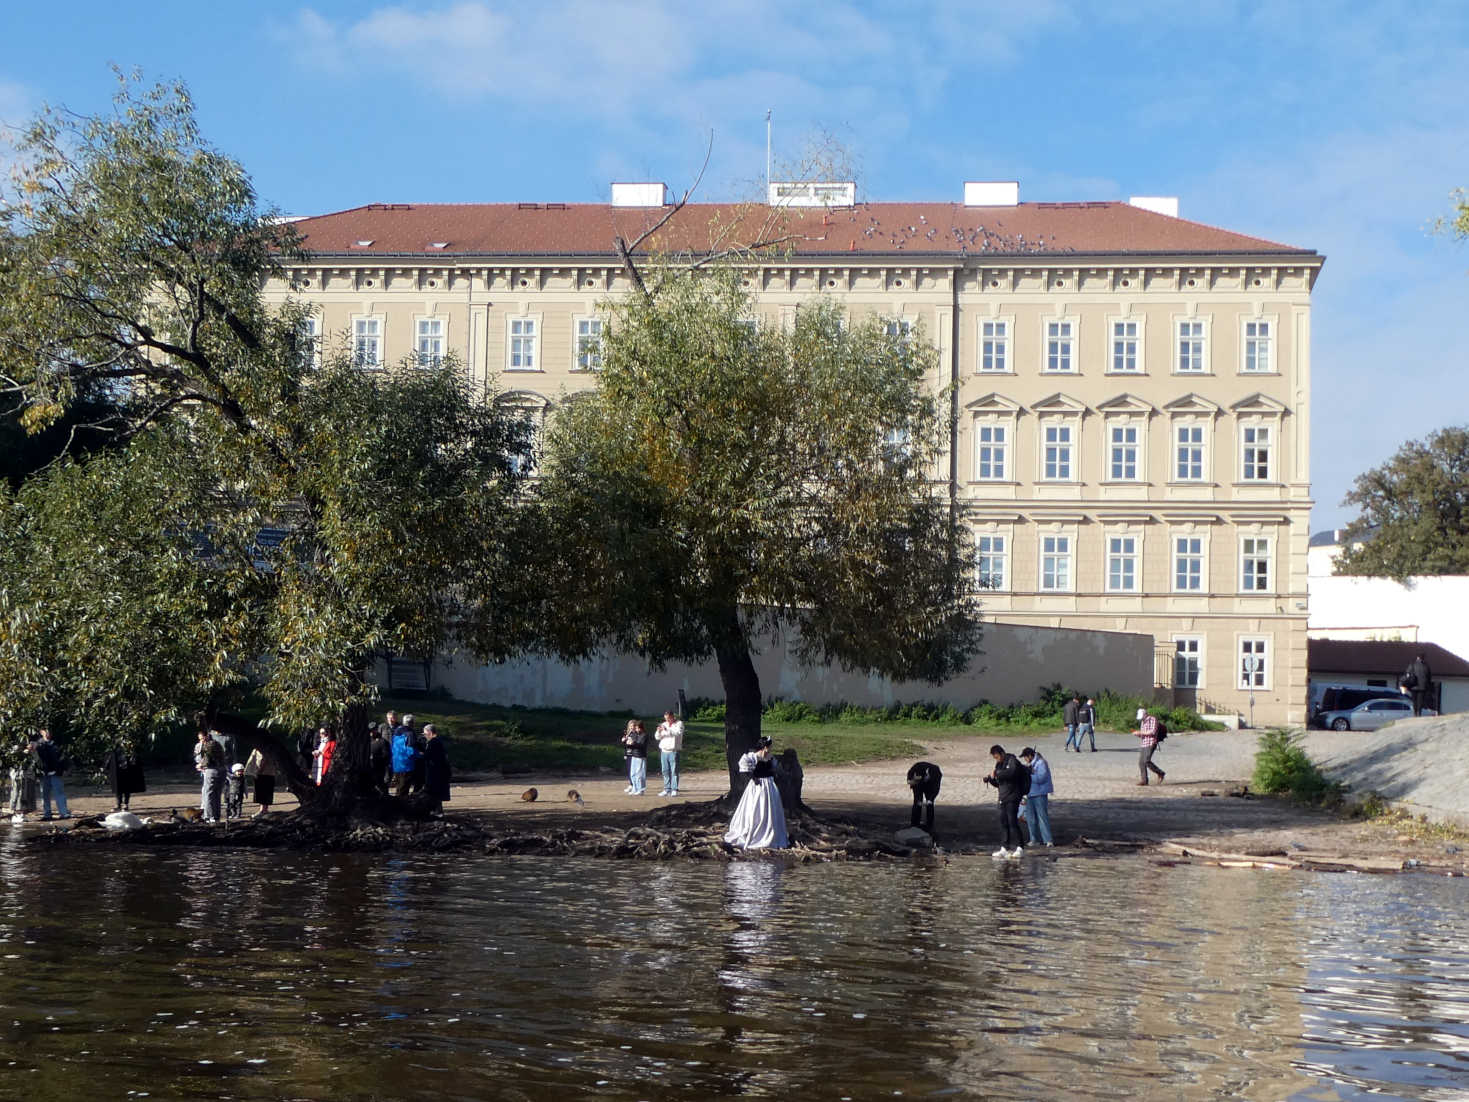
(977,238)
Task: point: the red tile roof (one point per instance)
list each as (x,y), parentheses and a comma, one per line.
(1371,656)
(878,229)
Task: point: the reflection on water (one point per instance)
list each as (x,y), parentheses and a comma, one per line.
(243,975)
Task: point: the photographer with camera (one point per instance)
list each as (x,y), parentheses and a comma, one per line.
(635,743)
(1011,781)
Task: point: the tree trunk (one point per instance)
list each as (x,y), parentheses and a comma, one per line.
(741,709)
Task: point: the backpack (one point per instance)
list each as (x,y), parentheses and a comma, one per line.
(1162,732)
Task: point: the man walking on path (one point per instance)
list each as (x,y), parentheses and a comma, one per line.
(670,742)
(1086,719)
(1069,716)
(1010,780)
(1418,680)
(1148,731)
(52,766)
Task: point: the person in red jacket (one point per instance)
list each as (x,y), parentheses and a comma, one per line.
(324,751)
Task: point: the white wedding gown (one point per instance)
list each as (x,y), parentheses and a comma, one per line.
(759,821)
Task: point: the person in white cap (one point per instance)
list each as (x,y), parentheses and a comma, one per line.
(1149,730)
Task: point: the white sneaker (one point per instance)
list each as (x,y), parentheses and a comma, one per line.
(628,790)
(1001,852)
(1015,853)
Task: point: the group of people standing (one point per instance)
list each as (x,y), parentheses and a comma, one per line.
(407,761)
(669,736)
(39,770)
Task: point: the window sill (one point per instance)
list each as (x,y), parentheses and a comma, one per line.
(1257,484)
(1125,374)
(527,370)
(1252,374)
(1007,371)
(1139,482)
(1196,482)
(1193,374)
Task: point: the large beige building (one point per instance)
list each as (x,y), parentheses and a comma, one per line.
(1132,389)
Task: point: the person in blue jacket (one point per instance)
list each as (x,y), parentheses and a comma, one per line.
(1037,800)
(405,759)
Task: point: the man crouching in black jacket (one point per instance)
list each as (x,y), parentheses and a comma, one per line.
(1007,777)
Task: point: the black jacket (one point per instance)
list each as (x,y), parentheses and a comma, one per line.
(50,755)
(924,779)
(1418,677)
(1009,778)
(1068,713)
(436,771)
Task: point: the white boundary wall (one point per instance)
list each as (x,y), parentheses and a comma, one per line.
(1429,609)
(1017,662)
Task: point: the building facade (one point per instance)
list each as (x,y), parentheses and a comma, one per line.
(1130,391)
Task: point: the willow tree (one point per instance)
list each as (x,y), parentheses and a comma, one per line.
(134,582)
(729,484)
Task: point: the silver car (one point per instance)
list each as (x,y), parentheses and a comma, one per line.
(1367,716)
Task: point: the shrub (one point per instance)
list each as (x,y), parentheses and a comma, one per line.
(1282,767)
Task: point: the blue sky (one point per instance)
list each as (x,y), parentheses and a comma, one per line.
(1334,126)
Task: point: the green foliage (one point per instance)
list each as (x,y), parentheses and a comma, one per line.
(725,484)
(133,582)
(1413,511)
(1114,712)
(1282,767)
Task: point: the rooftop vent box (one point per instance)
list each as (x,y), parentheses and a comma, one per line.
(639,195)
(813,193)
(1158,204)
(991,193)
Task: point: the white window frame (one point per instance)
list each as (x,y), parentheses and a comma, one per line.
(1062,553)
(995,348)
(992,560)
(1004,429)
(1128,346)
(533,408)
(431,359)
(377,338)
(1190,648)
(529,355)
(1071,426)
(902,326)
(1197,556)
(586,347)
(1177,472)
(1250,447)
(1252,341)
(311,340)
(1124,563)
(1066,346)
(1255,560)
(1180,341)
(1118,451)
(1259,647)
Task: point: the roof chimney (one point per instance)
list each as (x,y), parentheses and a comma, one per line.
(639,195)
(991,193)
(1158,204)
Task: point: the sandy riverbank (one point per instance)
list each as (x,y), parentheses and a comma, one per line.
(1097,798)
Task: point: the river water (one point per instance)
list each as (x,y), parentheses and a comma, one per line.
(239,975)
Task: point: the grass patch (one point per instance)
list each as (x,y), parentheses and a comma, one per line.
(1115,712)
(523,740)
(1283,768)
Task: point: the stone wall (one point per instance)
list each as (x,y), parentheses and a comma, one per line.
(1017,662)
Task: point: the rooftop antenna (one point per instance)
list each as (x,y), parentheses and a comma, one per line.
(767,155)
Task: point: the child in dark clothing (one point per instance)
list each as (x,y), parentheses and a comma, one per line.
(234,792)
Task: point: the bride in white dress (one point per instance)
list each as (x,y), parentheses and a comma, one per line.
(759,821)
